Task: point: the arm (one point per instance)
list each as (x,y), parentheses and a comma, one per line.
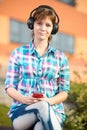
(63,82)
(14,94)
(62,96)
(12,81)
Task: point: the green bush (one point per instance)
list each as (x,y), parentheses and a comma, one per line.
(77,117)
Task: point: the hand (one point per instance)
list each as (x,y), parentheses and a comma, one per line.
(45,99)
(30,99)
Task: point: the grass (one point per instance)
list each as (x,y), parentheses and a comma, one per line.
(4,120)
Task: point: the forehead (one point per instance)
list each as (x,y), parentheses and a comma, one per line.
(44,19)
(44,13)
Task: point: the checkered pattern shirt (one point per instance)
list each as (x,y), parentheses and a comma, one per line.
(28,72)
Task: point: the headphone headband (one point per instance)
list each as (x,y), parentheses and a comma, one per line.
(48,7)
(30,21)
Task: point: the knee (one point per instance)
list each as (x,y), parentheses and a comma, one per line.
(38,126)
(43,110)
(16,125)
(23,122)
(44,104)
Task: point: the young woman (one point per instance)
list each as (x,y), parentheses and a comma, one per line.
(38,77)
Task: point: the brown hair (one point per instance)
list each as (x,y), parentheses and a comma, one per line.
(42,13)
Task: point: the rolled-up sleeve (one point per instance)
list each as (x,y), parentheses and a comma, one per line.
(64,74)
(12,75)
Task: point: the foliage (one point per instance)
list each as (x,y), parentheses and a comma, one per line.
(4,120)
(77,117)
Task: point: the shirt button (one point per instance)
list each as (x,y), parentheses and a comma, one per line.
(39,71)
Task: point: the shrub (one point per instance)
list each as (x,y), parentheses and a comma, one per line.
(77,117)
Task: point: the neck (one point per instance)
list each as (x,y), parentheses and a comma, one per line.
(41,46)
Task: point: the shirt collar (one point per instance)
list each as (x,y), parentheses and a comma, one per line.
(32,48)
(51,49)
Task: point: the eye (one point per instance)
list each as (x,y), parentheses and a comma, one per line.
(39,23)
(48,25)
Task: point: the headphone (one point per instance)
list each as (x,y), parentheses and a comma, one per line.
(30,21)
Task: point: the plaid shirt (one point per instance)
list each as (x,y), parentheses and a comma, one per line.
(29,72)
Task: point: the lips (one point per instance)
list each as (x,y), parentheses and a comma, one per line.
(42,33)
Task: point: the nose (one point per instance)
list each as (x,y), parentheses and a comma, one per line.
(43,27)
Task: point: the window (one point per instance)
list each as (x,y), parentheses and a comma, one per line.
(63,42)
(69,2)
(19,32)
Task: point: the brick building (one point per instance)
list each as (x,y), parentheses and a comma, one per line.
(71,38)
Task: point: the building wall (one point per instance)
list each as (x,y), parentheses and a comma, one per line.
(82,6)
(73,20)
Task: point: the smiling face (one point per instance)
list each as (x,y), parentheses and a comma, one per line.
(44,19)
(43,28)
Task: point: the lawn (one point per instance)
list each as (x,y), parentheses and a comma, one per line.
(4,120)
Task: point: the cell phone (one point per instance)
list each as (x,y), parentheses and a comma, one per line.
(37,95)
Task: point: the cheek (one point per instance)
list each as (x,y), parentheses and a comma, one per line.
(35,30)
(35,27)
(50,30)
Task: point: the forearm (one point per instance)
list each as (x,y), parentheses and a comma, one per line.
(14,94)
(62,96)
